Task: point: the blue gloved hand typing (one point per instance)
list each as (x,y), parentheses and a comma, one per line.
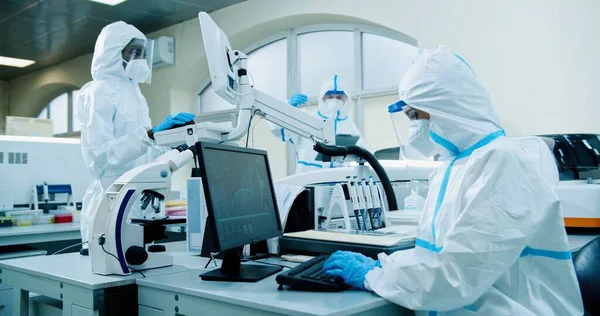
(172,120)
(352,267)
(297,99)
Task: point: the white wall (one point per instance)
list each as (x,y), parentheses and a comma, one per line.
(537,58)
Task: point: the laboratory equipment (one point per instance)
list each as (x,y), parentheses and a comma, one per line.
(229,77)
(63,218)
(230,80)
(309,276)
(31,161)
(45,219)
(369,243)
(196,215)
(28,126)
(577,157)
(46,193)
(241,207)
(118,246)
(414,202)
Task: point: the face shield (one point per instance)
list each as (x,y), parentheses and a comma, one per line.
(137,60)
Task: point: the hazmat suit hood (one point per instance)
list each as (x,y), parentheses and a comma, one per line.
(444,85)
(333,84)
(107,62)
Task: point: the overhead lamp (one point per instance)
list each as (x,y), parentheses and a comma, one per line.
(15,62)
(109,2)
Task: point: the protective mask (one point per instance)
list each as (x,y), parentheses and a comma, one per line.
(137,70)
(418,138)
(333,105)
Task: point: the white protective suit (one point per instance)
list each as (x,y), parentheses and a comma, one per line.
(305,155)
(115,119)
(491,240)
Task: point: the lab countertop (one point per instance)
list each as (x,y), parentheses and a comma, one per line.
(19,235)
(72,268)
(38,229)
(264,295)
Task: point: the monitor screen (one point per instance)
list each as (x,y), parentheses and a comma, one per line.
(239,194)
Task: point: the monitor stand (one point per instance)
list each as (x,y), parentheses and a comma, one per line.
(233,270)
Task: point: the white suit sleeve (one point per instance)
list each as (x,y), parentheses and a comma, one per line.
(102,150)
(498,220)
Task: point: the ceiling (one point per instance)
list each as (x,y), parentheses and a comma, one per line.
(53,31)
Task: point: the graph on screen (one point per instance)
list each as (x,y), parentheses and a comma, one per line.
(241,196)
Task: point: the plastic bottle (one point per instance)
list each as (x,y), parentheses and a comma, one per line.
(414,202)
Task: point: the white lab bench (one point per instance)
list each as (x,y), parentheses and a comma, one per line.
(178,290)
(69,278)
(184,293)
(18,235)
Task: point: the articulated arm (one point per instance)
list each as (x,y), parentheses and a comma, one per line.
(252,101)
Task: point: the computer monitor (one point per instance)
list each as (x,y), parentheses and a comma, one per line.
(242,208)
(217,47)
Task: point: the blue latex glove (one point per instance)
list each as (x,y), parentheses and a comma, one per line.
(352,267)
(180,118)
(297,99)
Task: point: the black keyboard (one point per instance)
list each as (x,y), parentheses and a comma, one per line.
(309,276)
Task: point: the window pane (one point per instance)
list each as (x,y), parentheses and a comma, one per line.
(74,120)
(210,101)
(262,138)
(268,67)
(385,61)
(58,113)
(379,131)
(323,54)
(44,113)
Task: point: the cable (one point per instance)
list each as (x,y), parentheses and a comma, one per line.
(212,259)
(253,130)
(248,131)
(138,271)
(110,254)
(69,247)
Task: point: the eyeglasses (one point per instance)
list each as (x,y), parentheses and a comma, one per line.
(411,113)
(137,52)
(339,95)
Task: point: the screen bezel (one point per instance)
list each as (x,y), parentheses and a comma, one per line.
(200,148)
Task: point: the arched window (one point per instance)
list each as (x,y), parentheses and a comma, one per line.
(62,110)
(370,60)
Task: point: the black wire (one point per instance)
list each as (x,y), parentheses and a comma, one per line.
(69,247)
(138,271)
(253,130)
(248,132)
(209,261)
(110,254)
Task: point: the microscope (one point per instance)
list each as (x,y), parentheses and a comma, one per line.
(119,244)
